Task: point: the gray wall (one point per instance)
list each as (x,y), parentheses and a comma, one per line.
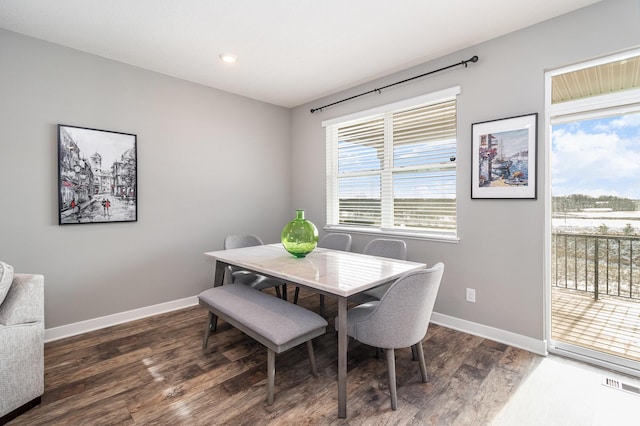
(501,248)
(212,163)
(209,164)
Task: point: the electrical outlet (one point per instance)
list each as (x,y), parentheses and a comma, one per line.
(471,295)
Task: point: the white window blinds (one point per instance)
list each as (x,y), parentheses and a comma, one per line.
(395,170)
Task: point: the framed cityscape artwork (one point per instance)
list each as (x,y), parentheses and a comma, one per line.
(97,176)
(503,158)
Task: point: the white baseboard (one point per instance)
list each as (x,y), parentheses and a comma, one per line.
(69,330)
(517,340)
(512,339)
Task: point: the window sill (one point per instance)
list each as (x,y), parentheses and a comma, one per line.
(392,233)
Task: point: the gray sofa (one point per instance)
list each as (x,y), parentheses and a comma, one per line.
(21,342)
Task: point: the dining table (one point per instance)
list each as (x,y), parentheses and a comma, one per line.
(333,273)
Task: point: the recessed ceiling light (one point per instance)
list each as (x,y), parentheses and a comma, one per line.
(228,58)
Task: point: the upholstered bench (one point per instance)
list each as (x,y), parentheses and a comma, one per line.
(275,323)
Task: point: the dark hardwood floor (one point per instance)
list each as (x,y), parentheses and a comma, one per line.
(153,371)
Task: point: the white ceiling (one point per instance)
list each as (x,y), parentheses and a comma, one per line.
(289,51)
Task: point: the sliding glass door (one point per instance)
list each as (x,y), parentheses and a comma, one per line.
(593,147)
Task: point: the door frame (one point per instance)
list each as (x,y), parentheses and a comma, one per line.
(617,103)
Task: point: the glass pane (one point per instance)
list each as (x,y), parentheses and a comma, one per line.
(358,157)
(424,153)
(595,171)
(360,201)
(361,146)
(428,123)
(595,244)
(425,199)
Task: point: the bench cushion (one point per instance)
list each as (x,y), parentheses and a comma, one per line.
(280,322)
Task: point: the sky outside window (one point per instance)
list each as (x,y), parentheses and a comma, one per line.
(597,157)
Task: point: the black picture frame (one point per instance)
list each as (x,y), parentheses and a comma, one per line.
(97,176)
(504,158)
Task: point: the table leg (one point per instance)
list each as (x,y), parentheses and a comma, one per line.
(218,276)
(342,357)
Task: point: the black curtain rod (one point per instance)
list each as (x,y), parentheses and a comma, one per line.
(379,90)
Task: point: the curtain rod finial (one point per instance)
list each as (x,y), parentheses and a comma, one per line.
(473,59)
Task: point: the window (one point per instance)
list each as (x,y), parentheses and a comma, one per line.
(393,170)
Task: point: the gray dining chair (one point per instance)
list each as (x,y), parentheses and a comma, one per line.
(383,247)
(387,247)
(336,241)
(399,320)
(333,241)
(248,278)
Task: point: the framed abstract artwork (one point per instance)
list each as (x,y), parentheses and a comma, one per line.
(97,176)
(503,158)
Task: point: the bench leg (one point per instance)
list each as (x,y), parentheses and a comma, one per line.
(271,373)
(212,323)
(312,358)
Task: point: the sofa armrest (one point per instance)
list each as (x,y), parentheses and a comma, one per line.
(25,301)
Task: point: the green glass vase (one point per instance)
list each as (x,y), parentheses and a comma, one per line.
(299,237)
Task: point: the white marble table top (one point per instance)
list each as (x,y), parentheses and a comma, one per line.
(335,272)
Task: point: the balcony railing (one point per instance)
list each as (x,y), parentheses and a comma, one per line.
(598,264)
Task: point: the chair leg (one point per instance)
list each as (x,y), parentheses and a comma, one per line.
(312,358)
(212,323)
(423,367)
(414,355)
(296,293)
(284,291)
(391,367)
(278,292)
(322,305)
(271,373)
